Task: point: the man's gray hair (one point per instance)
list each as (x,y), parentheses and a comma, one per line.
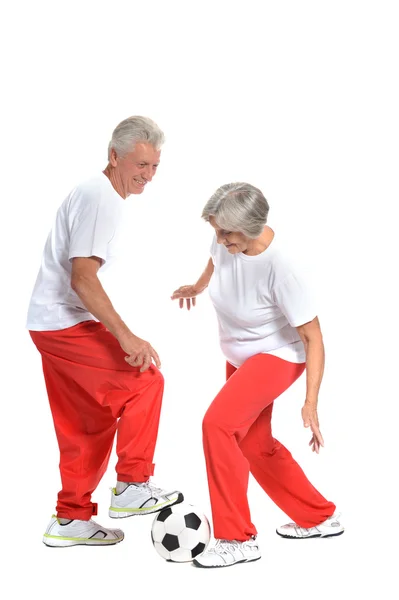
(238,207)
(134,130)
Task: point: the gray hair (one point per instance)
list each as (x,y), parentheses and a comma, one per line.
(134,130)
(238,207)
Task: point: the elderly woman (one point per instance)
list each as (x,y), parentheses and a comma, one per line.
(269,332)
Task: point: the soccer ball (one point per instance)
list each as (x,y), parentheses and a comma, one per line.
(180,533)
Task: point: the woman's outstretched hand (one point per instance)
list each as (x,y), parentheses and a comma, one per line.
(310,419)
(187,293)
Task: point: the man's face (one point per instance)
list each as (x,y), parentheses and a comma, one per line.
(136,168)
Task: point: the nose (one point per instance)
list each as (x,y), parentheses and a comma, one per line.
(220,238)
(147,173)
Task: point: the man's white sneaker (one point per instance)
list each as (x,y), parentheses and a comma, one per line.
(80,533)
(328,528)
(141,499)
(224,553)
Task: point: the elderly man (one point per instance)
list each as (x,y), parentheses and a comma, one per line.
(100,377)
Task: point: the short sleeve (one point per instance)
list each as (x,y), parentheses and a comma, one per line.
(213,249)
(93,228)
(294,299)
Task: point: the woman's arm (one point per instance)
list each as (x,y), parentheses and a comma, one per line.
(312,339)
(189,292)
(311,336)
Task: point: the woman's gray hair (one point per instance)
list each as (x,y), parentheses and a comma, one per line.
(238,207)
(134,130)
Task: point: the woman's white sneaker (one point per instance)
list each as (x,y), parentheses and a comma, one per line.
(80,533)
(224,553)
(141,499)
(329,528)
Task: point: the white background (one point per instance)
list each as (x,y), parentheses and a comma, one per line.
(298,98)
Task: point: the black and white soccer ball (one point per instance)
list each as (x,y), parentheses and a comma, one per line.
(181,532)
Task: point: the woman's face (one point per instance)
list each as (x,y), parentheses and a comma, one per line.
(233,240)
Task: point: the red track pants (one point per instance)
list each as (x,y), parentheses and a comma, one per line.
(238,439)
(93,394)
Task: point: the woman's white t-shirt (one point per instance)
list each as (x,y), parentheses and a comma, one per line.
(86,224)
(259,300)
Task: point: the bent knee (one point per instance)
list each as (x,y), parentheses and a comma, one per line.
(265,447)
(155,374)
(211,421)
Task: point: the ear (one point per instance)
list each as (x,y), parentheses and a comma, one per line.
(113,159)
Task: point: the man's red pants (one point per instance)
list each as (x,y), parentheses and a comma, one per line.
(238,439)
(94,393)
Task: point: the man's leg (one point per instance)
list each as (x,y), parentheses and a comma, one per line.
(99,389)
(85,432)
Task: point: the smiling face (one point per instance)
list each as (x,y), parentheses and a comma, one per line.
(131,173)
(233,241)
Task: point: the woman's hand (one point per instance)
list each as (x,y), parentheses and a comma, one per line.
(188,293)
(310,419)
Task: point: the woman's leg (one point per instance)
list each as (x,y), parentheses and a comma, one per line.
(280,475)
(248,391)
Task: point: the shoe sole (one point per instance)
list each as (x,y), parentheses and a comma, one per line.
(306,537)
(247,560)
(60,543)
(116,513)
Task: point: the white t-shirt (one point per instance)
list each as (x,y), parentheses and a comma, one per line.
(259,300)
(86,225)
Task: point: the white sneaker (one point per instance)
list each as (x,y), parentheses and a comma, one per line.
(80,533)
(224,553)
(141,499)
(328,528)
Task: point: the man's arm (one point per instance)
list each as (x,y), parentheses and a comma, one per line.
(86,284)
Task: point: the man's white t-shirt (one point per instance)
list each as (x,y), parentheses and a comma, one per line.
(259,300)
(86,225)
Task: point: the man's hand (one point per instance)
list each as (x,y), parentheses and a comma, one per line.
(310,419)
(188,293)
(140,353)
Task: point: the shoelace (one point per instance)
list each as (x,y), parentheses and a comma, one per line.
(96,524)
(152,489)
(335,518)
(333,521)
(149,487)
(224,546)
